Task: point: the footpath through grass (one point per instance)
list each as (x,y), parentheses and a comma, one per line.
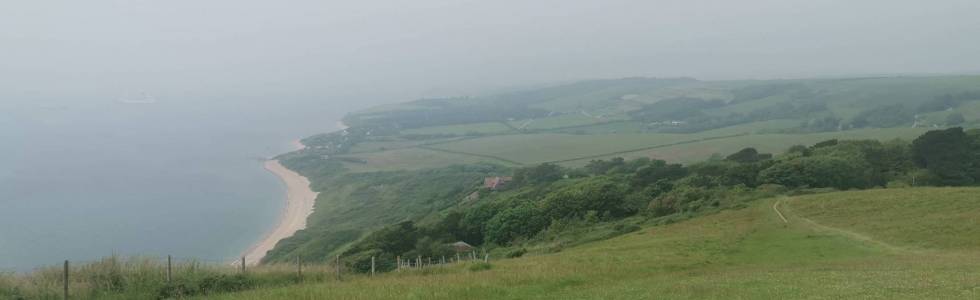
(739,254)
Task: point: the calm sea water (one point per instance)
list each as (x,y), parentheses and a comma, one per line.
(83,179)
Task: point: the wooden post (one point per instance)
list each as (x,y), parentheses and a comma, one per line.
(486,257)
(372,265)
(66,280)
(430,260)
(338,267)
(444,259)
(457,257)
(169,269)
(243,265)
(299,267)
(418,262)
(398,263)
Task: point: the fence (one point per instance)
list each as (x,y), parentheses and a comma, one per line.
(169,269)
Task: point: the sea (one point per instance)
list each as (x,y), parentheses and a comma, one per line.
(179,175)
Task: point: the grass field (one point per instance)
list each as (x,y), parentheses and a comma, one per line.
(489,127)
(837,245)
(768,143)
(559,121)
(538,148)
(579,149)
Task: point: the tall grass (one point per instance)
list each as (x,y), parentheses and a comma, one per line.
(116,277)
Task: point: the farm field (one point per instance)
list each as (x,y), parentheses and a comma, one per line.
(553,122)
(488,127)
(829,247)
(579,149)
(538,148)
(768,143)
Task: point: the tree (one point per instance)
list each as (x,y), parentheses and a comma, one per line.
(657,170)
(600,194)
(748,155)
(946,154)
(819,171)
(519,221)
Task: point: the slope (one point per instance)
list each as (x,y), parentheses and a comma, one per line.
(748,253)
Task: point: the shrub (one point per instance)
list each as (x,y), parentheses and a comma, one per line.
(480,266)
(516,253)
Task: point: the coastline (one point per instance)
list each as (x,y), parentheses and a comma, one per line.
(299,205)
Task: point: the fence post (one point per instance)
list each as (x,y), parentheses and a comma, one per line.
(338,267)
(398,263)
(66,280)
(418,262)
(299,267)
(443,259)
(457,257)
(372,265)
(486,257)
(243,265)
(430,260)
(169,269)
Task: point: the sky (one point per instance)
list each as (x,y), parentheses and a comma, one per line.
(368,52)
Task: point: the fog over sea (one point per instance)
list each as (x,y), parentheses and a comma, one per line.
(86,178)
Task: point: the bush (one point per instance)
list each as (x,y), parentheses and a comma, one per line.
(624,229)
(480,266)
(517,253)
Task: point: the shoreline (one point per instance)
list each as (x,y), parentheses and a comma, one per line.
(299,205)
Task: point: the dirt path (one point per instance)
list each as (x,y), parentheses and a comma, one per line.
(824,228)
(780,214)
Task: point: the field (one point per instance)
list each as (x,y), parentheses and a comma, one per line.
(767,143)
(579,149)
(880,244)
(489,127)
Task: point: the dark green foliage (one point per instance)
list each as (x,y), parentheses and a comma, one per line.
(948,154)
(600,194)
(480,266)
(655,171)
(522,221)
(817,171)
(826,143)
(748,155)
(517,253)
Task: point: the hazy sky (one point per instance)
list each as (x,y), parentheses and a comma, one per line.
(371,51)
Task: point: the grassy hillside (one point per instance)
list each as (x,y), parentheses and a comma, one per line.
(836,245)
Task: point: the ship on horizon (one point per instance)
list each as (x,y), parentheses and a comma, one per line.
(143,98)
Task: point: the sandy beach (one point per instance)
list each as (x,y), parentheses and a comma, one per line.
(299,205)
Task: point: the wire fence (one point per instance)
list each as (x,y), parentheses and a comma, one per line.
(169,269)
